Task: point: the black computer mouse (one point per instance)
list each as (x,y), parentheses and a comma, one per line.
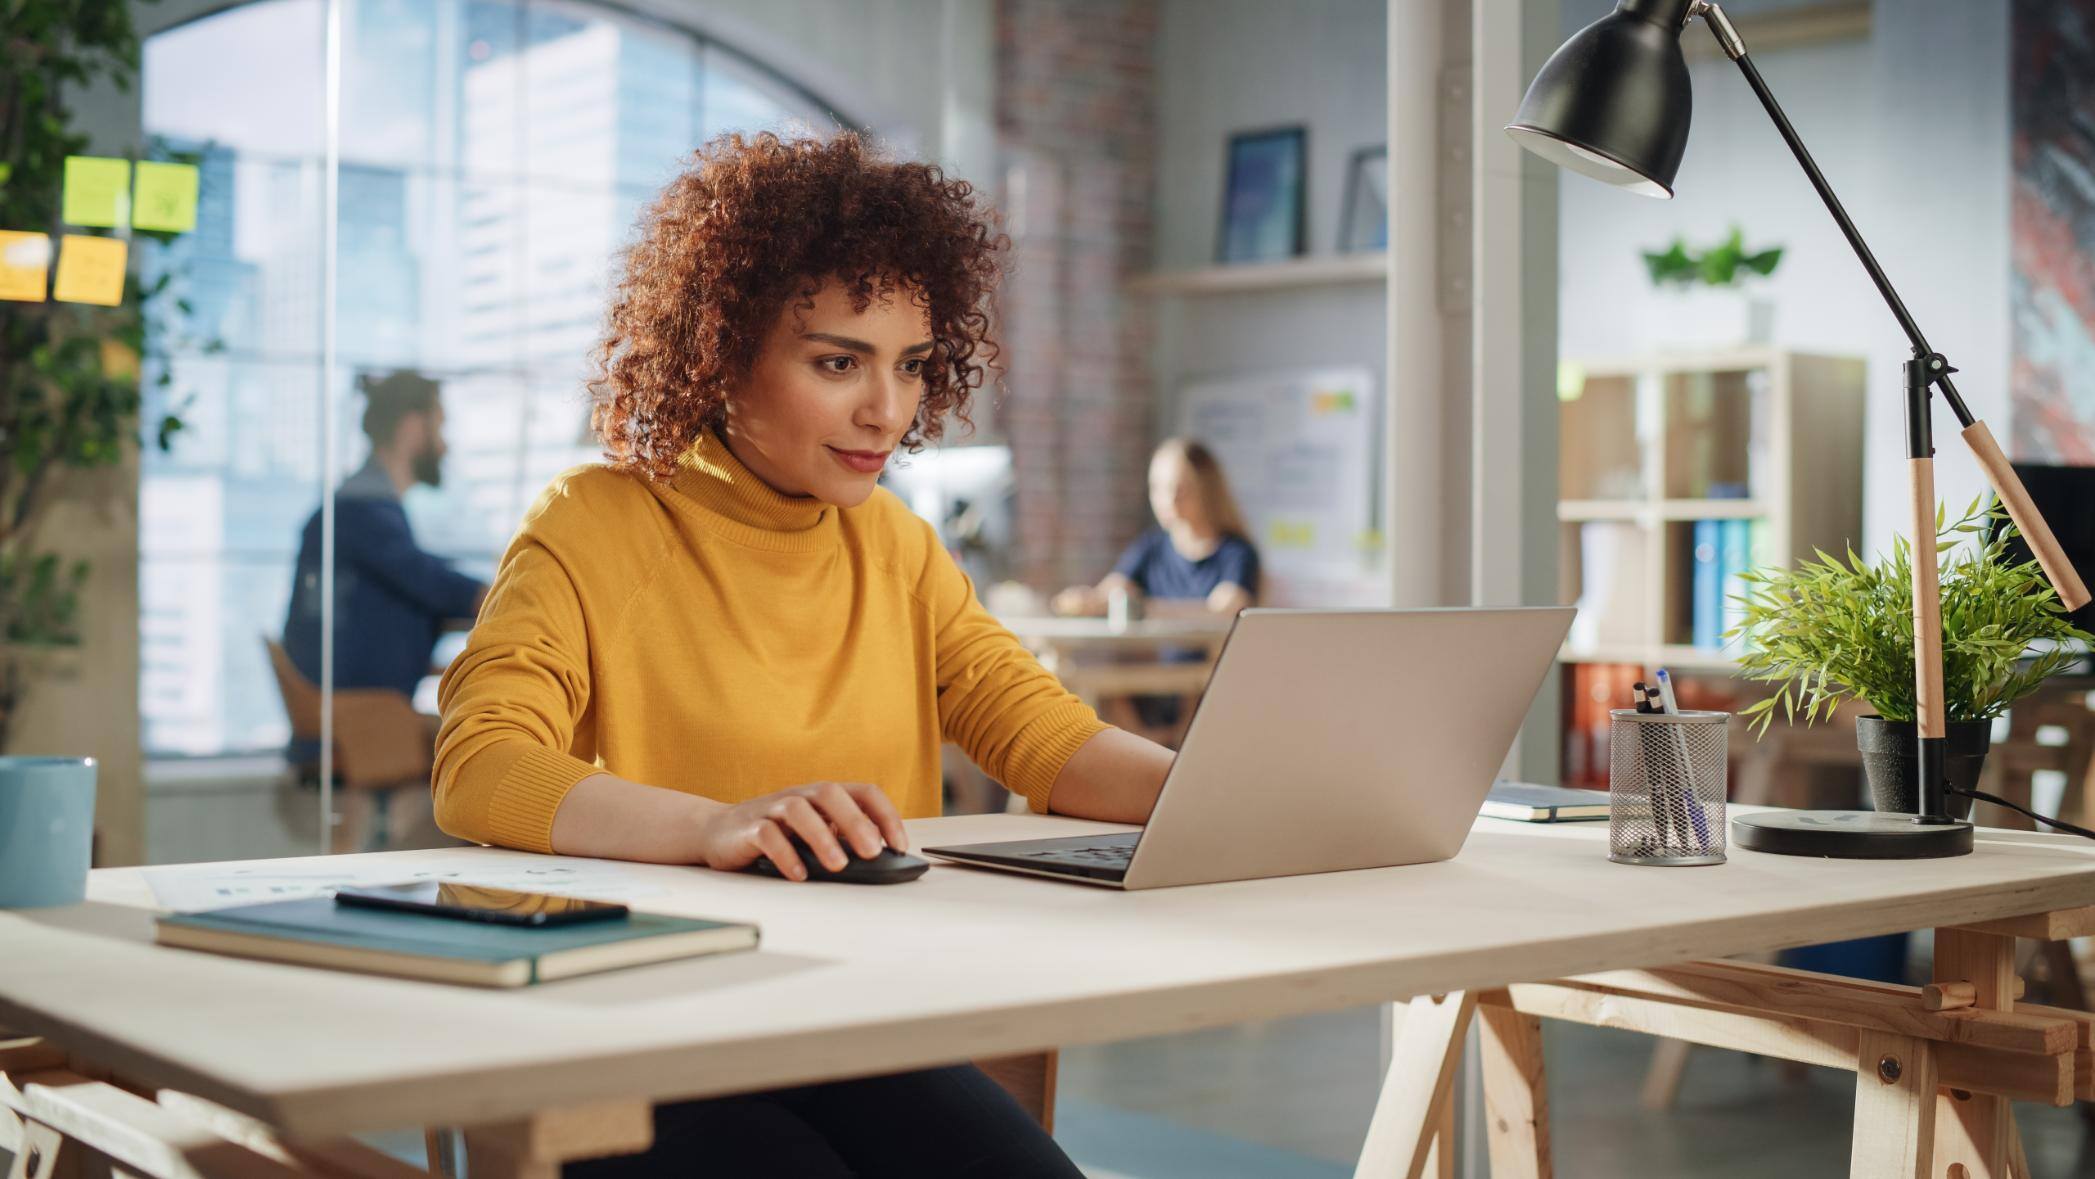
(889,867)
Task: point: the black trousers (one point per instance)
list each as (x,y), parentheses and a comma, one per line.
(931,1124)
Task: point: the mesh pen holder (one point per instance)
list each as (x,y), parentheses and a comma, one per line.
(1666,787)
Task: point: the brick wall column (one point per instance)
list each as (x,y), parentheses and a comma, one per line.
(1077,128)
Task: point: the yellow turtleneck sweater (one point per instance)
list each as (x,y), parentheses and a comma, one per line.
(712,636)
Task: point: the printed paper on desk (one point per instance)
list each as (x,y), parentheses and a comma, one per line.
(210,886)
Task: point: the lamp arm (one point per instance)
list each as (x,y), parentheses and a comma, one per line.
(2073,593)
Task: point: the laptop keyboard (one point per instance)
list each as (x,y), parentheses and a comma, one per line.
(1093,857)
(1112,855)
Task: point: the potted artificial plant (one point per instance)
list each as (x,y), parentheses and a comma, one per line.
(1825,632)
(1708,300)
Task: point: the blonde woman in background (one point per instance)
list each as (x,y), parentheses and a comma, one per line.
(1198,560)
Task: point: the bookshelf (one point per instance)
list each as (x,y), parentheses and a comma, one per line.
(1651,445)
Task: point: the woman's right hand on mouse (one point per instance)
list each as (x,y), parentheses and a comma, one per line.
(823,815)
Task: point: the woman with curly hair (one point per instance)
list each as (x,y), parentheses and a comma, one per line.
(728,635)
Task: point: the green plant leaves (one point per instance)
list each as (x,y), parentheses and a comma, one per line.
(1824,632)
(1723,265)
(45,597)
(64,402)
(1674,265)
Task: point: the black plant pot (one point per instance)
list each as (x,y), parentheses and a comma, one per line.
(1891,762)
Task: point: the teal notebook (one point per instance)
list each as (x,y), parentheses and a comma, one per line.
(318,932)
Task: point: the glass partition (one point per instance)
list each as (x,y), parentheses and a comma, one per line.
(494,156)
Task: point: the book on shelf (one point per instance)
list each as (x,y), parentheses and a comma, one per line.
(1611,601)
(1706,588)
(1734,557)
(1723,551)
(1596,690)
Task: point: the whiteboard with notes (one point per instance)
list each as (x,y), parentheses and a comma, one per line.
(1302,449)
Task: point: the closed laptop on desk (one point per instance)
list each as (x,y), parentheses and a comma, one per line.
(1327,740)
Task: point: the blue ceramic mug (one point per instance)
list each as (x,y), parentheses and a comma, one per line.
(47,825)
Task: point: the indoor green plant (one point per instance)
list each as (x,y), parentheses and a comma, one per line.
(1706,297)
(1827,631)
(1725,264)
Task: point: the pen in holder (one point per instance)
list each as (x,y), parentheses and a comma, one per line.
(1666,787)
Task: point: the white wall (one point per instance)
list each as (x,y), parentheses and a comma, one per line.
(1911,128)
(1241,65)
(918,72)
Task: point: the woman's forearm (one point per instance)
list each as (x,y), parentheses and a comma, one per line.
(1114,777)
(608,817)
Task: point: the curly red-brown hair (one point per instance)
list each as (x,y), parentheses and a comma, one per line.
(753,224)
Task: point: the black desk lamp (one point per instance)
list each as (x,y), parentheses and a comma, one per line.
(1613,103)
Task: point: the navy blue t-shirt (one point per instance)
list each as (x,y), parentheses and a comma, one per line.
(1160,571)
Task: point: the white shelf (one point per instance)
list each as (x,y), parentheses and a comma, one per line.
(1335,270)
(1672,657)
(1580,511)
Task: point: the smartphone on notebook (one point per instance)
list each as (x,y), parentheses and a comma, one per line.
(476,902)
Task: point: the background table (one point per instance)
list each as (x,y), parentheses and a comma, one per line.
(1095,659)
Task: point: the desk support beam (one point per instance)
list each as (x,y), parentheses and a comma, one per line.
(1410,1116)
(535,1147)
(1895,1112)
(1932,1086)
(1973,1131)
(1516,1099)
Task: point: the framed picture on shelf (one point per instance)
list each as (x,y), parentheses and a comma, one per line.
(1262,197)
(1364,222)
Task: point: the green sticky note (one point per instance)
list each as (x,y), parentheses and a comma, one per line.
(96,190)
(166,197)
(6,171)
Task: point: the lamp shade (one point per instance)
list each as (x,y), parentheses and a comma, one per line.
(1613,102)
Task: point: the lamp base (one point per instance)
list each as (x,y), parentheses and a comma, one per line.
(1850,835)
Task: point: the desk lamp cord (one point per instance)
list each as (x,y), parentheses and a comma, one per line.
(1996,800)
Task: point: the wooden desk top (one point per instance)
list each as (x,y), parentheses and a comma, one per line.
(959,965)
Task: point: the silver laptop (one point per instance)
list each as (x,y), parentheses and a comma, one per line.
(1327,740)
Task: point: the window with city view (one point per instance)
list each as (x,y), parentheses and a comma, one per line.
(493,159)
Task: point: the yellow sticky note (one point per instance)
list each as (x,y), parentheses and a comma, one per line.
(166,197)
(90,270)
(97,190)
(25,265)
